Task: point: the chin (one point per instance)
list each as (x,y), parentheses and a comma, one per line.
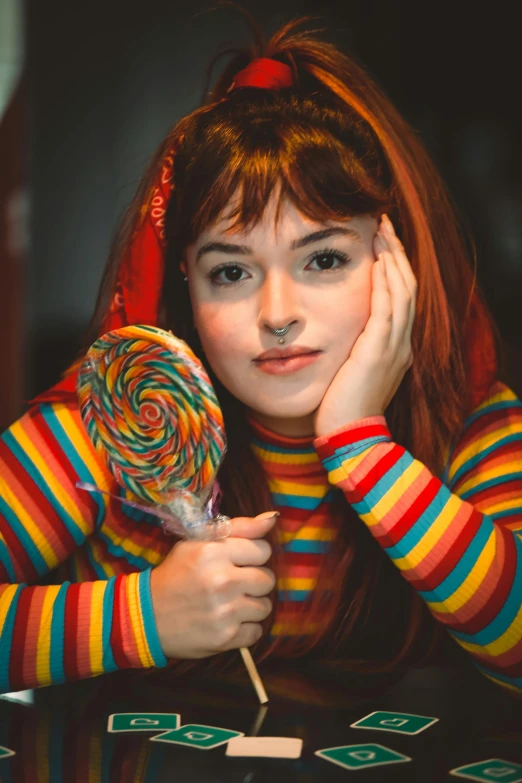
(287,401)
(292,408)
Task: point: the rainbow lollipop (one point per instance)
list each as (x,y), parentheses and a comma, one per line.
(151,412)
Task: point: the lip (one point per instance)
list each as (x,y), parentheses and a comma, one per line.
(285,353)
(284,365)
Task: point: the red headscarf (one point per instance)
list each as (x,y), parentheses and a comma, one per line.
(137,292)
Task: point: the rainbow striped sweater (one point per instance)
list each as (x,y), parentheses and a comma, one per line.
(75,567)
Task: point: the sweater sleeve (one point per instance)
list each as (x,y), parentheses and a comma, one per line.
(49,634)
(458,541)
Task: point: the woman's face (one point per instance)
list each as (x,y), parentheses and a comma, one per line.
(243,285)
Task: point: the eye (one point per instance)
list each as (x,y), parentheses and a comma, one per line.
(227,275)
(326,258)
(232,274)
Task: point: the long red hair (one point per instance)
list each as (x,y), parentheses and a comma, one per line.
(338,148)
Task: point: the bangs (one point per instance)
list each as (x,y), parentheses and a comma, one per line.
(240,164)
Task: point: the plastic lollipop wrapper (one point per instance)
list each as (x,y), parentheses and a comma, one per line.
(152,414)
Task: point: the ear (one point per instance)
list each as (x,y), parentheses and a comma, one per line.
(183,268)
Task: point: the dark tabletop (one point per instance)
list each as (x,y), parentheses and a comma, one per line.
(63,735)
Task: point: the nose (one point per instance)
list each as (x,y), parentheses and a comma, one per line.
(278,302)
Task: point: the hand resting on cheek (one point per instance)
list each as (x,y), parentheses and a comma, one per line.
(382,354)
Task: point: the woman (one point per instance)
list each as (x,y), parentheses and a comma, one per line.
(306,218)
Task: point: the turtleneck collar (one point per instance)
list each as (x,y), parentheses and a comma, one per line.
(295,444)
(287,458)
(296,476)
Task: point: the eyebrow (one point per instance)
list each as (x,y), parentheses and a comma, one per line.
(243,250)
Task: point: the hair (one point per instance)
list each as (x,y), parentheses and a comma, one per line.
(338,148)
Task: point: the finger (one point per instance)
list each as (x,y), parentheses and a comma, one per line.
(243,552)
(379,323)
(384,240)
(247,635)
(396,246)
(253,610)
(403,265)
(253,527)
(398,250)
(411,318)
(401,304)
(255,581)
(399,289)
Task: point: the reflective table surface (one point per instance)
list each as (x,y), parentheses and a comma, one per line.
(62,735)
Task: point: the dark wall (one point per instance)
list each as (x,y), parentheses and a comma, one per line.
(13,249)
(107,81)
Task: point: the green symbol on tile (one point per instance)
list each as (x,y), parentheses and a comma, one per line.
(490,771)
(400,722)
(143,721)
(361,756)
(5,752)
(198,736)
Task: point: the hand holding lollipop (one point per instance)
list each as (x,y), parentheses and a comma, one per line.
(152,413)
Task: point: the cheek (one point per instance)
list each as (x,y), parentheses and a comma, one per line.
(347,311)
(220,334)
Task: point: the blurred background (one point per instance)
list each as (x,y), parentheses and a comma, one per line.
(88,90)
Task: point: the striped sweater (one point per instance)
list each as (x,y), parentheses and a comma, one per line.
(75,567)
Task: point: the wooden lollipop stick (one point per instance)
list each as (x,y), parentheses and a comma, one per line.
(254,674)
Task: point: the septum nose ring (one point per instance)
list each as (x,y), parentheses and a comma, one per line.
(281,333)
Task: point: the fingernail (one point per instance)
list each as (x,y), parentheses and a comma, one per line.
(269,515)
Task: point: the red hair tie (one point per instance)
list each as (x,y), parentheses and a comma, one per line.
(264,73)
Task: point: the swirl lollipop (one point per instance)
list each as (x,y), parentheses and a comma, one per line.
(151,411)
